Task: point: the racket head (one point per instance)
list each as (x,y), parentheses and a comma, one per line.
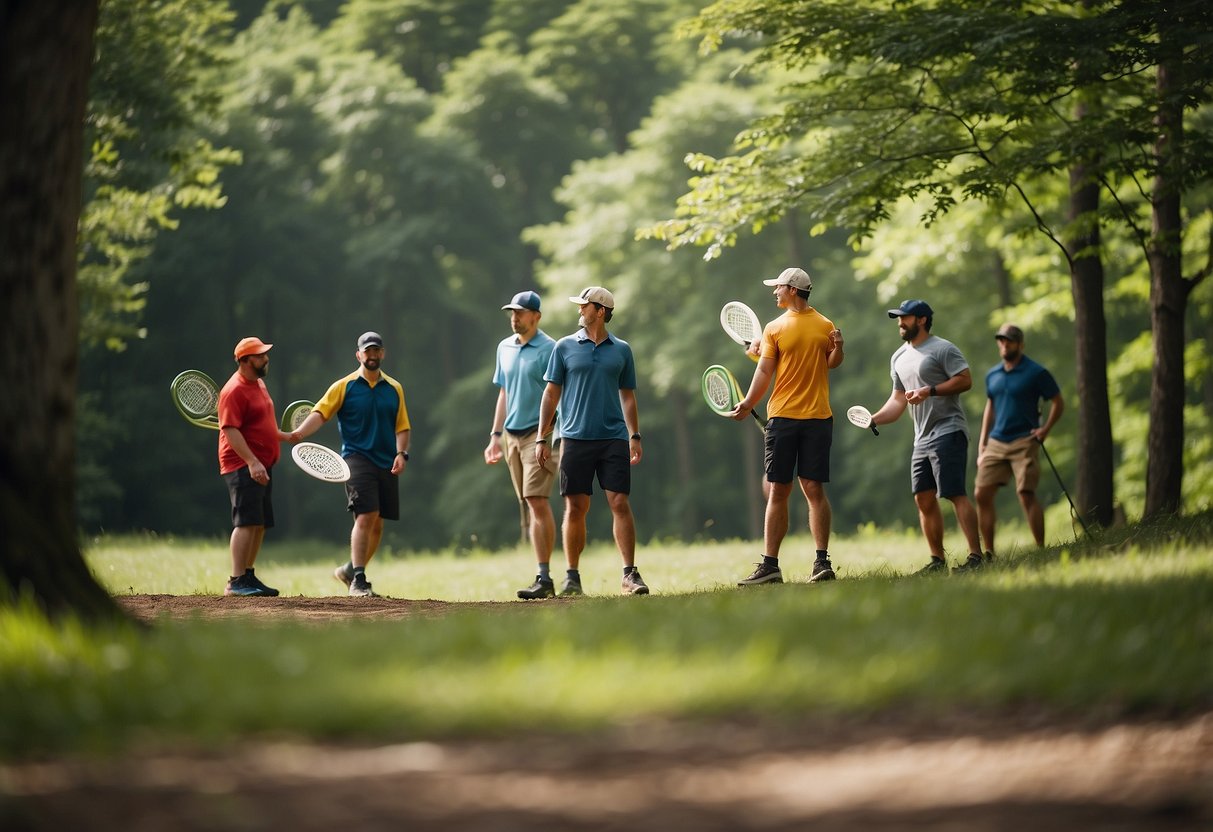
(740,323)
(294,414)
(320,462)
(196,396)
(859,416)
(720,390)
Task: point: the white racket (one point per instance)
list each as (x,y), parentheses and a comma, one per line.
(294,414)
(722,393)
(861,417)
(741,324)
(321,462)
(196,396)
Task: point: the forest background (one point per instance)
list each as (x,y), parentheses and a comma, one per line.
(307,171)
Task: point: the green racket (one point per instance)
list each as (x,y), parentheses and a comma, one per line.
(294,414)
(196,396)
(722,393)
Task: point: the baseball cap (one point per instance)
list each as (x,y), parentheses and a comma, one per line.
(1009,332)
(595,294)
(794,277)
(917,308)
(251,346)
(369,339)
(524,300)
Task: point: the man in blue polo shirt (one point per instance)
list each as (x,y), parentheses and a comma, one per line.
(591,377)
(1011,433)
(522,359)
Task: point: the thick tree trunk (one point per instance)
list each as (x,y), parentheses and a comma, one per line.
(46,50)
(1093,489)
(1168,301)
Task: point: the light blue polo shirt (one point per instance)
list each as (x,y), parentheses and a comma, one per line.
(520,369)
(591,376)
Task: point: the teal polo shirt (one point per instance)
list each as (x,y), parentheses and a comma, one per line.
(520,369)
(591,376)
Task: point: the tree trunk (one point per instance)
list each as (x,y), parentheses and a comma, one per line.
(1093,487)
(1168,301)
(46,51)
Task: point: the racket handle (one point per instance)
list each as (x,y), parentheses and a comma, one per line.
(874,431)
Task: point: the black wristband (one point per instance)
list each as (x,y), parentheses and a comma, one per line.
(404,454)
(495,433)
(636,436)
(933,393)
(541,441)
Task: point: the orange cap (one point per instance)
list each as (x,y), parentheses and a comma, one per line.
(251,346)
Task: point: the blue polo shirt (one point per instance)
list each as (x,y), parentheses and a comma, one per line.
(1016,394)
(591,376)
(368,417)
(520,369)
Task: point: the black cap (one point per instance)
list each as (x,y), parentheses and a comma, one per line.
(369,339)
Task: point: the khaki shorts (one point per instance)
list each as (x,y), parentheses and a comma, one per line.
(530,479)
(1002,459)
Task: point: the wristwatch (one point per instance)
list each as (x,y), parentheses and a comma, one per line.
(541,441)
(636,436)
(495,433)
(933,393)
(404,454)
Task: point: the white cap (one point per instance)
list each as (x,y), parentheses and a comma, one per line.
(794,277)
(595,294)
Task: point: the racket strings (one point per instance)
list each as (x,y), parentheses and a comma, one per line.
(741,323)
(321,461)
(197,397)
(719,391)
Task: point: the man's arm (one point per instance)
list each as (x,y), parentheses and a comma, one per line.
(1056,407)
(763,374)
(547,415)
(987,423)
(402,448)
(631,417)
(492,451)
(958,383)
(892,409)
(834,352)
(310,425)
(256,470)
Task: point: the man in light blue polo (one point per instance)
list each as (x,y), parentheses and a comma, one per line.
(591,377)
(522,359)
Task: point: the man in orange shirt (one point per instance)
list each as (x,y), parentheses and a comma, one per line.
(248,449)
(799,349)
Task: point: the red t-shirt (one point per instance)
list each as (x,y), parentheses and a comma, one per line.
(247,406)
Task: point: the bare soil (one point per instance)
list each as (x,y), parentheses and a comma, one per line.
(882,772)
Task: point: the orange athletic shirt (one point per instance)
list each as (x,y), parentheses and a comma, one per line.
(798,342)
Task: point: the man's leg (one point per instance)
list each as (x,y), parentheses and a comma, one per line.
(542,527)
(930,518)
(623,526)
(820,513)
(775,524)
(1035,514)
(966,517)
(986,513)
(245,543)
(576,507)
(364,538)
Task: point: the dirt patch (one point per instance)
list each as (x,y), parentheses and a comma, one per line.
(965,772)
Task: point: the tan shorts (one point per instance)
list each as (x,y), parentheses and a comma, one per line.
(1002,459)
(529,477)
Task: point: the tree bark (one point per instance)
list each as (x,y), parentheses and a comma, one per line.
(1168,301)
(46,52)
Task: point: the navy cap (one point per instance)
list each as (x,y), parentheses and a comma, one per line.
(369,339)
(917,308)
(524,300)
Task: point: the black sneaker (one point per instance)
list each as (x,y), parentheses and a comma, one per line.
(360,587)
(989,556)
(822,571)
(633,584)
(974,563)
(267,591)
(538,590)
(764,574)
(937,566)
(571,587)
(241,585)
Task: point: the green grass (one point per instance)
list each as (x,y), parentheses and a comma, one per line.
(1121,626)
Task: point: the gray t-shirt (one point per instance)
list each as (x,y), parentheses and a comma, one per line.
(934,361)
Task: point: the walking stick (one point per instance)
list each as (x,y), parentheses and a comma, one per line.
(1073,511)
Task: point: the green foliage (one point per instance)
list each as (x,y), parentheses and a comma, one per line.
(1124,623)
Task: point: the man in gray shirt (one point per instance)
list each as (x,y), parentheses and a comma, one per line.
(929,374)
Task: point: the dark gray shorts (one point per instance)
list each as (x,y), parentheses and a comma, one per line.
(371,488)
(940,465)
(799,447)
(252,503)
(583,459)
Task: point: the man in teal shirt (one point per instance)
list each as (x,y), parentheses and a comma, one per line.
(522,359)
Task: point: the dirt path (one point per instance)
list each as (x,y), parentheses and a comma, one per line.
(966,773)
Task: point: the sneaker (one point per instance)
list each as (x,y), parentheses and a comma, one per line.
(267,591)
(538,590)
(937,566)
(989,556)
(241,585)
(974,563)
(633,584)
(346,576)
(571,587)
(822,571)
(360,587)
(764,574)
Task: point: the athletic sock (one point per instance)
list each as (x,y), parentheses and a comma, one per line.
(823,554)
(628,570)
(767,560)
(359,570)
(573,573)
(545,572)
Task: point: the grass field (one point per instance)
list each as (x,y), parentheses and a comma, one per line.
(1119,626)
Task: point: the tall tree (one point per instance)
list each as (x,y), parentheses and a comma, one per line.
(46,50)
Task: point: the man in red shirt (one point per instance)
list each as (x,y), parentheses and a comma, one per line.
(248,449)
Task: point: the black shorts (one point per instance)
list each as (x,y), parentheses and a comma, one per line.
(798,447)
(371,488)
(251,501)
(583,459)
(940,465)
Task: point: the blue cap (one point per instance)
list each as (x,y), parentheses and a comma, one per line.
(917,308)
(524,300)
